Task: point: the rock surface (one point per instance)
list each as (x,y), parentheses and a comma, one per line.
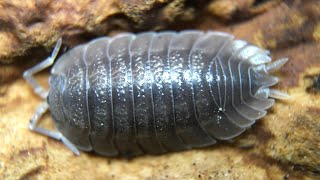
(283,145)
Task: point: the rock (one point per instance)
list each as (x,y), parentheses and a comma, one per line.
(283,145)
(29,25)
(40,23)
(231,10)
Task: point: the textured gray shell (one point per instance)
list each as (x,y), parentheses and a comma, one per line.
(158,92)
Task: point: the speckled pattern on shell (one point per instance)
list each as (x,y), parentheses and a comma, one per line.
(159,92)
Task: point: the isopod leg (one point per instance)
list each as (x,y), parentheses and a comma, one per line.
(33,126)
(38,89)
(28,74)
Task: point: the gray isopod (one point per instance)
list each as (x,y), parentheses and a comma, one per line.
(155,92)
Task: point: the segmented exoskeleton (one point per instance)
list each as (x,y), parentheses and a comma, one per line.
(156,92)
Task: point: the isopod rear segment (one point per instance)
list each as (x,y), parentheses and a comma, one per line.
(153,93)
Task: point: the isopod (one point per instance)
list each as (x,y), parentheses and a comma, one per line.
(153,93)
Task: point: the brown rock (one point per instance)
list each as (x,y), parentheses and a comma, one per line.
(283,145)
(29,25)
(239,9)
(39,23)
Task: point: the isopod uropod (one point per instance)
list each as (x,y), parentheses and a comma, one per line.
(155,92)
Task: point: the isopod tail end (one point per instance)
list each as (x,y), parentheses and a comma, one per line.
(276,94)
(276,65)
